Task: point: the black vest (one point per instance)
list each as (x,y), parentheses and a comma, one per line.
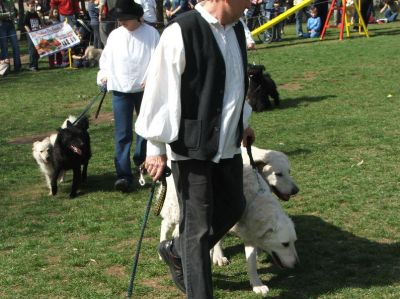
(202,88)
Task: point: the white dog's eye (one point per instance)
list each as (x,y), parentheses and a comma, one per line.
(286,244)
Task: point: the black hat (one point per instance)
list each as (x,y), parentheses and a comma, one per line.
(128,10)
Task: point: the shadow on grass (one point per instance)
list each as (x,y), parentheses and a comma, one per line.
(103,182)
(331,259)
(293,102)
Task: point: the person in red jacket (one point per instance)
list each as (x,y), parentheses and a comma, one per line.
(66,8)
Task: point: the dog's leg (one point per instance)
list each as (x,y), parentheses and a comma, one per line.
(75,181)
(48,182)
(218,257)
(54,178)
(84,172)
(255,281)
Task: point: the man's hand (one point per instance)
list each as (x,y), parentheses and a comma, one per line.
(248,137)
(155,166)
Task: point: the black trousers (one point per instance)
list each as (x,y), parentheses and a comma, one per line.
(211,201)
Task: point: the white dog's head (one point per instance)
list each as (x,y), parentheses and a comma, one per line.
(279,241)
(275,169)
(41,150)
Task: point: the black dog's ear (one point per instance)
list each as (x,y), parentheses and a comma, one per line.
(263,67)
(69,124)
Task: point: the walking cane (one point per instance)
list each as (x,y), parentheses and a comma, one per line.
(167,172)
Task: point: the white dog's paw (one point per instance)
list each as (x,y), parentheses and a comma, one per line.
(220,260)
(262,289)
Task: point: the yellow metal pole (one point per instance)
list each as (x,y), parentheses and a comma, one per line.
(281,17)
(361,20)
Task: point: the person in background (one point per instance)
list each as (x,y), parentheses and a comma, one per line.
(299,18)
(8,32)
(313,24)
(150,11)
(391,11)
(322,8)
(277,29)
(175,7)
(203,116)
(67,10)
(56,59)
(108,21)
(95,23)
(32,22)
(123,65)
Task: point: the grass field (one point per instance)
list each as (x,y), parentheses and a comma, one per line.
(338,124)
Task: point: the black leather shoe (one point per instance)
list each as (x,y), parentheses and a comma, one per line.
(174,263)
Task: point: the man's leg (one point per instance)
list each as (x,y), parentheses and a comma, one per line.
(229,201)
(193,180)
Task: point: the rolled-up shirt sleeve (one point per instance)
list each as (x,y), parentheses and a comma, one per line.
(160,111)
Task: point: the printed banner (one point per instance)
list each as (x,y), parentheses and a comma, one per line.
(54,38)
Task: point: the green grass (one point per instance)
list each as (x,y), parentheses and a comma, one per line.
(337,124)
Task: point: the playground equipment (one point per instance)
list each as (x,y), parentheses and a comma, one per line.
(345,22)
(281,17)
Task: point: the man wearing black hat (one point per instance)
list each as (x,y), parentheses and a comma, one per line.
(194,101)
(123,65)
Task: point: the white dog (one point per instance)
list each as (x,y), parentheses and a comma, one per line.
(42,152)
(93,55)
(263,225)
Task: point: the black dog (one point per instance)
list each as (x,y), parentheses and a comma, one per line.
(261,86)
(71,150)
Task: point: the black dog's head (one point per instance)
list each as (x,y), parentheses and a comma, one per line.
(255,72)
(74,139)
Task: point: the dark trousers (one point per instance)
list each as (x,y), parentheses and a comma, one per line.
(96,36)
(211,201)
(33,55)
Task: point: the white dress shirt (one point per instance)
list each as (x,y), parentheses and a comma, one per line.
(126,56)
(160,112)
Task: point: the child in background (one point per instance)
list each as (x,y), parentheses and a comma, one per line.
(55,59)
(32,22)
(313,24)
(277,29)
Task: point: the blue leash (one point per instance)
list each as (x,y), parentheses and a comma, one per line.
(167,172)
(139,244)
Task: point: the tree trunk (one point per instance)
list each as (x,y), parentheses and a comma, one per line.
(21,14)
(160,12)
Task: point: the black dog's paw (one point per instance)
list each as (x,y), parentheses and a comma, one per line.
(54,191)
(73,194)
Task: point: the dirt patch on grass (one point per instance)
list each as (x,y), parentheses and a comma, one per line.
(291,86)
(30,138)
(104,117)
(116,271)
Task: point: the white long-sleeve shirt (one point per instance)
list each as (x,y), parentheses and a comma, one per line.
(126,56)
(160,112)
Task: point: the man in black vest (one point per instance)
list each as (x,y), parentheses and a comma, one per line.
(194,101)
